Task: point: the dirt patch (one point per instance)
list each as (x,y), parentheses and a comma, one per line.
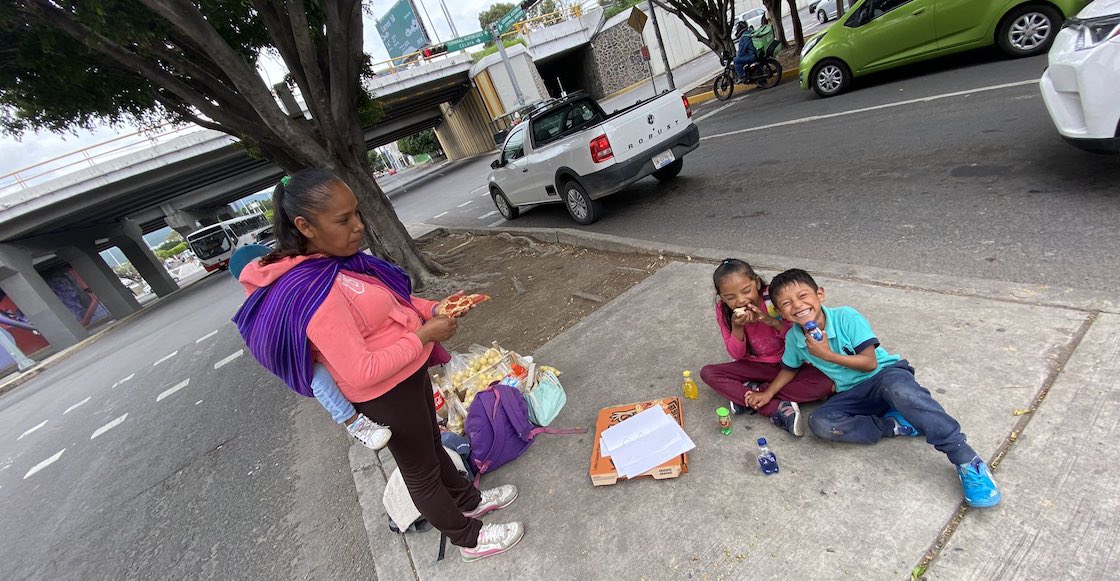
(537,290)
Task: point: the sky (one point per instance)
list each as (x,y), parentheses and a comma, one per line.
(34,148)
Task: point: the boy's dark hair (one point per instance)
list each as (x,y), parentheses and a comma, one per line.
(790,278)
(733,266)
(304,193)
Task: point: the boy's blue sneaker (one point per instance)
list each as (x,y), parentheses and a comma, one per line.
(902,427)
(980,489)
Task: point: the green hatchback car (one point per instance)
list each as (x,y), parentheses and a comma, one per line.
(875,35)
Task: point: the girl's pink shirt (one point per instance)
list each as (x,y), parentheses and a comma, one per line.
(766,343)
(363,334)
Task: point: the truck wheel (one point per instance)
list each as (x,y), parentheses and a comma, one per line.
(670,171)
(583,209)
(506,209)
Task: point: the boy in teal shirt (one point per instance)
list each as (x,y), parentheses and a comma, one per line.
(876,393)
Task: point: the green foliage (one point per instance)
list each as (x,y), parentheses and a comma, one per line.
(616,7)
(377,161)
(493,14)
(268,214)
(127,272)
(493,48)
(548,7)
(173,251)
(172,242)
(423,142)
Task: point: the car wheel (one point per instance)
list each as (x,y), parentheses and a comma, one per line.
(830,78)
(506,209)
(1028,30)
(583,209)
(821,15)
(670,171)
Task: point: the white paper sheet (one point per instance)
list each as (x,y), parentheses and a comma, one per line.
(643,442)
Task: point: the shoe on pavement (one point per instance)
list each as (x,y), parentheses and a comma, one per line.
(789,418)
(493,499)
(980,489)
(370,433)
(494,539)
(737,408)
(901,426)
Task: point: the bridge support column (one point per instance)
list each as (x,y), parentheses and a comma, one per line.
(101,279)
(465,130)
(37,300)
(131,242)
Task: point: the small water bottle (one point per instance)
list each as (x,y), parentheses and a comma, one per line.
(813,331)
(766,459)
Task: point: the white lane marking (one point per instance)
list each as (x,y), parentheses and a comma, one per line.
(71,408)
(32,430)
(706,115)
(874,108)
(439,215)
(239,353)
(108,426)
(485,195)
(488,214)
(206,336)
(44,463)
(198,402)
(172,390)
(120,381)
(465,204)
(165,358)
(495,223)
(479,188)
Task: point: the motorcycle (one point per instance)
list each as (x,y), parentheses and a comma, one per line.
(765,71)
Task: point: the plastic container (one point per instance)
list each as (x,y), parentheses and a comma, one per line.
(767,461)
(724,416)
(689,388)
(813,331)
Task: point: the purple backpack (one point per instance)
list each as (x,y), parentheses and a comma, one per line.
(499,429)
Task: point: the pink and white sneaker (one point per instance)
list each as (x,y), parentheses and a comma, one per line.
(493,499)
(494,539)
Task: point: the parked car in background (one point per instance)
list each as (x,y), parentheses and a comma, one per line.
(876,35)
(828,9)
(1081,87)
(753,18)
(813,5)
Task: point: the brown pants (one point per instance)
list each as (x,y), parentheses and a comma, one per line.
(439,492)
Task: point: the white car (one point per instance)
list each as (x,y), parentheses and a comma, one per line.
(826,9)
(1081,87)
(753,18)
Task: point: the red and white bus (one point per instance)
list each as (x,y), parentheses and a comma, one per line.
(214,244)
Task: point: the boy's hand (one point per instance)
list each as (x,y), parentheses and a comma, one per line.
(758,399)
(819,349)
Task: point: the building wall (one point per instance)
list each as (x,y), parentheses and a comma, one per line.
(465,130)
(615,60)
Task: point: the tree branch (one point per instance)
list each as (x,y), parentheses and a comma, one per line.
(314,87)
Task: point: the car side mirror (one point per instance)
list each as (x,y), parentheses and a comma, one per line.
(497,163)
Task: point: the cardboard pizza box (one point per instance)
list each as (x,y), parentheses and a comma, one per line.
(602,470)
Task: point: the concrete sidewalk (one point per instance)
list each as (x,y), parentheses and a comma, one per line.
(834,510)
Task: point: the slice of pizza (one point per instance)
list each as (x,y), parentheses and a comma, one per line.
(458,304)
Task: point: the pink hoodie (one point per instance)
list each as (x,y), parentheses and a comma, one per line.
(766,344)
(362,332)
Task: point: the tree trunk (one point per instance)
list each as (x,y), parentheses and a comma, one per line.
(798,32)
(840,9)
(775,8)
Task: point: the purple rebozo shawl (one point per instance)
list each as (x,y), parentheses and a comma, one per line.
(273,321)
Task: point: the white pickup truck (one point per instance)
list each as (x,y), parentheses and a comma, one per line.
(568,150)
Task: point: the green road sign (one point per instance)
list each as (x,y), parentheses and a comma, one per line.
(469,40)
(401,31)
(510,18)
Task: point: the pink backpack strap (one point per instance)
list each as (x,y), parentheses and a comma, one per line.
(557,431)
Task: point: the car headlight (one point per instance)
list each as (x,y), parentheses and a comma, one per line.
(809,45)
(1093,31)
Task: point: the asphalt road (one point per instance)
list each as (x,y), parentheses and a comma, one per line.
(230,476)
(974,183)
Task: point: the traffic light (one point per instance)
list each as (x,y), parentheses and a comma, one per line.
(435,50)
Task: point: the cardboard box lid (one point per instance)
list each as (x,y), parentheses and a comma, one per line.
(602,469)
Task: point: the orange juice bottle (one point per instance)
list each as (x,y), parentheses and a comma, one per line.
(689,388)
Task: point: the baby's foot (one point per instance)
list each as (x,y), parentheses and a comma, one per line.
(370,433)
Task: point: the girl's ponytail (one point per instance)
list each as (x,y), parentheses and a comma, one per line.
(300,194)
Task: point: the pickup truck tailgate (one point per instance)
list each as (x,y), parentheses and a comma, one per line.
(636,131)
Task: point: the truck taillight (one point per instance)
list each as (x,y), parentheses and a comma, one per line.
(601,149)
(687,107)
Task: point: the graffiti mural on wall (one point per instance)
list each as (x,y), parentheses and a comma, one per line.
(71,290)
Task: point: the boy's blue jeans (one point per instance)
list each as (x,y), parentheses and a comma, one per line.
(856,415)
(328,394)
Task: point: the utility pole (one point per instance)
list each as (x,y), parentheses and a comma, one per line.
(447,15)
(661,44)
(509,67)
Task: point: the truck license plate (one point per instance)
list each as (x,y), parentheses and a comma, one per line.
(663,159)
